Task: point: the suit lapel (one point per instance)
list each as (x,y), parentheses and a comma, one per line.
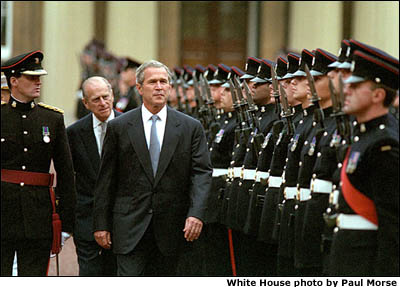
(170,142)
(89,141)
(138,140)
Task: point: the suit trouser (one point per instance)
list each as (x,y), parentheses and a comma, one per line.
(33,256)
(94,260)
(146,259)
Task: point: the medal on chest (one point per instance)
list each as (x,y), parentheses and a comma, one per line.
(353,161)
(219,136)
(294,145)
(265,143)
(312,147)
(46,134)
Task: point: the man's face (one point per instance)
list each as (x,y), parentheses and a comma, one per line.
(216,93)
(358,98)
(226,100)
(129,76)
(26,88)
(289,92)
(261,93)
(98,99)
(299,86)
(155,88)
(321,87)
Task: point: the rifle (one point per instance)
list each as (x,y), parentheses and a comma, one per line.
(178,96)
(258,137)
(215,126)
(188,109)
(203,111)
(287,113)
(318,113)
(246,123)
(276,92)
(344,116)
(239,115)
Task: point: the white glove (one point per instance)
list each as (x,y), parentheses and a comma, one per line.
(64,237)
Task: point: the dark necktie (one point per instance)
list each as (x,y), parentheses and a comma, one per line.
(154,148)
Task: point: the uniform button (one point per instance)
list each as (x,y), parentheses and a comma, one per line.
(287,159)
(23,167)
(328,210)
(382,126)
(3,140)
(22,184)
(24,116)
(301,121)
(356,138)
(296,207)
(339,165)
(336,229)
(247,149)
(25,132)
(150,211)
(25,149)
(210,148)
(306,143)
(314,124)
(325,134)
(300,163)
(318,154)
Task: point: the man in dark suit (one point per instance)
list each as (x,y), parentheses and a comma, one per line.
(154,181)
(85,141)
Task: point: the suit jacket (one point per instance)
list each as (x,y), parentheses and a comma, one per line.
(128,196)
(86,160)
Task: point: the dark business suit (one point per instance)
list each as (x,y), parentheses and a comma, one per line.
(86,160)
(129,199)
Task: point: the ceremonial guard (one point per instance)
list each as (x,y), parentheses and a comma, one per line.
(323,127)
(32,136)
(221,153)
(289,187)
(366,238)
(270,212)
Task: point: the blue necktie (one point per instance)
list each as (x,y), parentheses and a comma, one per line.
(154,148)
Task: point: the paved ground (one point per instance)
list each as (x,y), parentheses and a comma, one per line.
(67,260)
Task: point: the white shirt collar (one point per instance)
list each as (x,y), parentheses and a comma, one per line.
(146,114)
(97,122)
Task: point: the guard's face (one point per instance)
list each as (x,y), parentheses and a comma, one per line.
(216,93)
(26,87)
(226,100)
(261,93)
(322,88)
(300,88)
(99,100)
(358,98)
(289,92)
(155,88)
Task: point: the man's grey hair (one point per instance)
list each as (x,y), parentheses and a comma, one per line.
(92,80)
(151,64)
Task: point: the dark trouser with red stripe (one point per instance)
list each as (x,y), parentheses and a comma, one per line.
(32,256)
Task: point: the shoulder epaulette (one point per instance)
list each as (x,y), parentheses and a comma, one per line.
(3,103)
(51,108)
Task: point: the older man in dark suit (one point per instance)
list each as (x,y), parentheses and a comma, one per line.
(154,181)
(85,139)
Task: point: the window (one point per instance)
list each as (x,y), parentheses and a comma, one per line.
(6,29)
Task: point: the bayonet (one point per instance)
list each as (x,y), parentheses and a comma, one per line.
(287,113)
(203,111)
(318,113)
(178,96)
(276,91)
(185,98)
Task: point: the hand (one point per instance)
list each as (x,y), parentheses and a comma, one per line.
(103,238)
(64,237)
(192,228)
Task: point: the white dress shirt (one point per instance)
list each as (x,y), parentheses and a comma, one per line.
(97,127)
(160,124)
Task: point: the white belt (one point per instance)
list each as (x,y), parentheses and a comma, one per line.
(249,174)
(261,175)
(219,171)
(321,186)
(237,171)
(290,192)
(354,222)
(275,181)
(303,194)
